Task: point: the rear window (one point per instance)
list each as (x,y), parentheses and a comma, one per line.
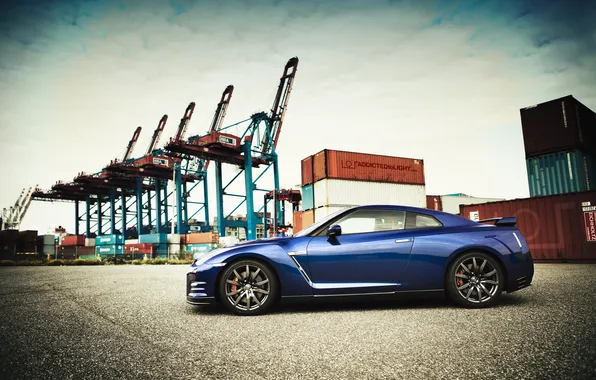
(416,220)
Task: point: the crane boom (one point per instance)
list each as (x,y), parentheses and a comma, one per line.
(281,101)
(184,121)
(222,107)
(132,143)
(14,215)
(157,133)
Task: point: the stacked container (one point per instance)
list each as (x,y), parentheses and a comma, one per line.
(159,242)
(560,144)
(27,242)
(109,245)
(8,244)
(333,180)
(199,243)
(46,246)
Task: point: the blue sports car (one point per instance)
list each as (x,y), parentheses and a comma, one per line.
(368,251)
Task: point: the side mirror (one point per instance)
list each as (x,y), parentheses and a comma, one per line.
(334,231)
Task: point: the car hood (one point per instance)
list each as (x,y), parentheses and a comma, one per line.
(273,240)
(219,251)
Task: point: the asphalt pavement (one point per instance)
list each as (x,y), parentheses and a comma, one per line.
(132,322)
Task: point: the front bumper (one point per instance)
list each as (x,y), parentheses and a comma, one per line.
(201,284)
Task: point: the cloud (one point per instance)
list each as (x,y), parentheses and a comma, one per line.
(434,81)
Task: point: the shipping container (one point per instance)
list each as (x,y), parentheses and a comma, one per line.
(48,239)
(90,242)
(139,248)
(367,167)
(433,202)
(558,227)
(85,251)
(73,240)
(131,241)
(307,171)
(153,238)
(160,250)
(341,192)
(297,221)
(173,239)
(451,203)
(561,172)
(27,241)
(308,218)
(109,250)
(109,240)
(202,247)
(68,252)
(325,211)
(308,197)
(557,125)
(9,237)
(173,248)
(202,237)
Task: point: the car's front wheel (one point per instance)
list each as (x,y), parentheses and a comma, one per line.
(248,287)
(475,280)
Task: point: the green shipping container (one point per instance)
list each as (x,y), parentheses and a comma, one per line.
(109,250)
(308,197)
(561,173)
(109,240)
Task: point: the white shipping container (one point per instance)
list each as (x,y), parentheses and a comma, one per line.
(173,239)
(89,242)
(450,203)
(49,239)
(173,248)
(341,192)
(131,241)
(324,211)
(49,249)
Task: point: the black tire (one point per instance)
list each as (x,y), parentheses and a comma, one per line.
(471,278)
(248,295)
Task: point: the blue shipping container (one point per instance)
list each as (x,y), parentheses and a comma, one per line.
(561,173)
(160,250)
(109,240)
(308,197)
(153,238)
(109,250)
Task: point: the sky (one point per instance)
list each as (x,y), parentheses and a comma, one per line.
(441,81)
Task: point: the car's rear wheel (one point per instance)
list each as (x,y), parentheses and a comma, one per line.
(248,287)
(475,280)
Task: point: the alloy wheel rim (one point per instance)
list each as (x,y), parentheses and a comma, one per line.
(247,287)
(476,279)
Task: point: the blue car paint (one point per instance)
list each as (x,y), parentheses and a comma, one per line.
(380,262)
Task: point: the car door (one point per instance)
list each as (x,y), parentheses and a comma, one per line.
(368,256)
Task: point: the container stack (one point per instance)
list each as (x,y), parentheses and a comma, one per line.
(8,244)
(159,242)
(333,180)
(560,144)
(46,246)
(27,242)
(109,246)
(199,243)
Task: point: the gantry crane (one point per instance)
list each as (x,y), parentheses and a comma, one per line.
(280,197)
(13,216)
(256,147)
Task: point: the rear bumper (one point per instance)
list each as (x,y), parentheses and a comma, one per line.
(521,272)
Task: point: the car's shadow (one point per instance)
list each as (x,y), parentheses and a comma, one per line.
(347,305)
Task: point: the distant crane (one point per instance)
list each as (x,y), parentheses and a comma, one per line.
(131,144)
(13,216)
(157,134)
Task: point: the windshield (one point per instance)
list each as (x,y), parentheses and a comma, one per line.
(313,227)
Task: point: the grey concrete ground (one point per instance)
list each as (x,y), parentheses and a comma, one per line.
(131,322)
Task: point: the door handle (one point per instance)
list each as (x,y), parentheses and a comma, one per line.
(403,240)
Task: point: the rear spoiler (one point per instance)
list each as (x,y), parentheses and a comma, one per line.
(508,221)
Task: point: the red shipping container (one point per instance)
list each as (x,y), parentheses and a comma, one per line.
(85,251)
(307,171)
(73,240)
(433,202)
(202,237)
(557,228)
(367,167)
(297,225)
(143,248)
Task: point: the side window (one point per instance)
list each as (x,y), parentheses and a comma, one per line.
(416,220)
(369,220)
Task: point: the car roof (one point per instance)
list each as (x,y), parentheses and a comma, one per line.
(448,220)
